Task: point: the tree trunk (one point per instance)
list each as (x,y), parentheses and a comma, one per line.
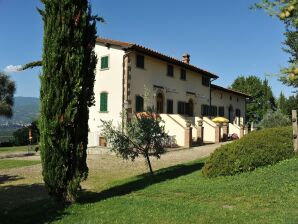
(149,163)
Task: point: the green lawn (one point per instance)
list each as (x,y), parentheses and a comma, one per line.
(16,149)
(12,163)
(178,194)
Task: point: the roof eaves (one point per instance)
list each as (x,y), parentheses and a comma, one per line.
(153,53)
(230,91)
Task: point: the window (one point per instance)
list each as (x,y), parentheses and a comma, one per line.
(238,113)
(170,71)
(205,110)
(183,74)
(221,111)
(213,111)
(169,106)
(205,81)
(139,104)
(104,62)
(140,61)
(159,103)
(104,102)
(181,108)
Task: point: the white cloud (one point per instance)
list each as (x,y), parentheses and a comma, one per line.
(13,68)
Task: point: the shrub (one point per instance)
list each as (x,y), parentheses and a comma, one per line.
(259,148)
(274,119)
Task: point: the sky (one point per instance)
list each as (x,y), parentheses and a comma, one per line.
(223,37)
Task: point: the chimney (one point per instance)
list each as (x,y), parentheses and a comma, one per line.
(186,58)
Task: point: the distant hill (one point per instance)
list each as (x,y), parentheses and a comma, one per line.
(26,110)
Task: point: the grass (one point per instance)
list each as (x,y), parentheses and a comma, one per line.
(177,194)
(15,149)
(12,163)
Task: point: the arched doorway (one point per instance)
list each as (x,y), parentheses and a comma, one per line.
(159,103)
(190,108)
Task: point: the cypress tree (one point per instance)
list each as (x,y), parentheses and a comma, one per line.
(67,82)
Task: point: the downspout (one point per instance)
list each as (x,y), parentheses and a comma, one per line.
(210,98)
(124,105)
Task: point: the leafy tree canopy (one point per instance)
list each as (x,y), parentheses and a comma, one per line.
(7,90)
(287,12)
(262,96)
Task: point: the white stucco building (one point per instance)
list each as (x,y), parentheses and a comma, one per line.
(177,90)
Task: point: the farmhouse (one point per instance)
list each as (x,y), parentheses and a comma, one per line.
(130,77)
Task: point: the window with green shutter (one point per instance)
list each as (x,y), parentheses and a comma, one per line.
(103,102)
(104,62)
(139,104)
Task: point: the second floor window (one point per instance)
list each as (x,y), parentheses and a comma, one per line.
(170,70)
(104,62)
(205,81)
(183,74)
(140,61)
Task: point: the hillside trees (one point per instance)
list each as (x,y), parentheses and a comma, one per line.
(7,90)
(67,81)
(262,96)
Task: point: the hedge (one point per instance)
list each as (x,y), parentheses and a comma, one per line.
(257,149)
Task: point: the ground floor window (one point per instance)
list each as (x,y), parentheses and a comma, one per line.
(221,111)
(186,108)
(169,106)
(159,103)
(205,110)
(238,113)
(103,102)
(139,104)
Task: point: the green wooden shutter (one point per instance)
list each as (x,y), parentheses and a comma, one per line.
(139,104)
(104,102)
(104,62)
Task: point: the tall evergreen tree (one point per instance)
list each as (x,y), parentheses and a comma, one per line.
(67,82)
(269,101)
(282,103)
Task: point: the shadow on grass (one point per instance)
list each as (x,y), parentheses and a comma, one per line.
(24,154)
(31,204)
(28,204)
(5,178)
(141,182)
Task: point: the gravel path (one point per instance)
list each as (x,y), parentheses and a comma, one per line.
(25,184)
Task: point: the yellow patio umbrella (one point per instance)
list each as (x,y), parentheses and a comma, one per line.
(220,120)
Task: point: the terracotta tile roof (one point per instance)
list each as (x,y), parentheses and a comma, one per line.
(230,91)
(155,54)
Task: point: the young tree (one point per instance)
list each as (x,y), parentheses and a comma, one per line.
(143,136)
(287,12)
(274,119)
(67,82)
(7,90)
(262,96)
